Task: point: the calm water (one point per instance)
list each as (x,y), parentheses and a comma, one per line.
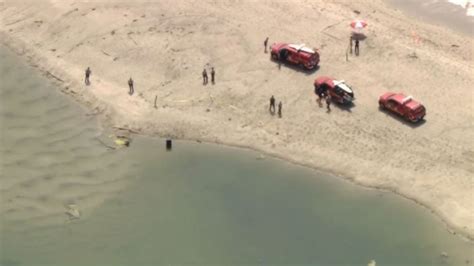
(197,205)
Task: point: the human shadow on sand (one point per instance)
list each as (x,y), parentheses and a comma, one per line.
(402,119)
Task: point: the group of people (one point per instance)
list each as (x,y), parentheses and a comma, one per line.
(88,82)
(205,78)
(272,107)
(323,93)
(131,89)
(356,46)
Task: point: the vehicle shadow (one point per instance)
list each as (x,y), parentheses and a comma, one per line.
(296,68)
(345,107)
(403,120)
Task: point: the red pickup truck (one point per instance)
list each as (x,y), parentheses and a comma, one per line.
(402,105)
(297,54)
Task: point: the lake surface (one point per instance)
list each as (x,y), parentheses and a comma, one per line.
(199,204)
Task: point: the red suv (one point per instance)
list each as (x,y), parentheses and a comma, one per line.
(297,54)
(403,105)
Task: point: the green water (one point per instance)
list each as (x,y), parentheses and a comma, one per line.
(197,205)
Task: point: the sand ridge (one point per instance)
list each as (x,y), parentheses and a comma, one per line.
(164,48)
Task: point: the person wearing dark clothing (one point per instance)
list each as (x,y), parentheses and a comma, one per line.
(351,41)
(204,77)
(213,73)
(130,86)
(272,105)
(356,48)
(319,91)
(88,74)
(265,43)
(280,106)
(328,102)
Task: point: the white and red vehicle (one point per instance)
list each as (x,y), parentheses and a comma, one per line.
(403,105)
(339,91)
(297,54)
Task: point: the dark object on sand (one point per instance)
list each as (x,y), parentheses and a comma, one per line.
(204,77)
(358,36)
(328,103)
(356,47)
(88,74)
(272,105)
(351,39)
(130,86)
(265,44)
(280,106)
(213,74)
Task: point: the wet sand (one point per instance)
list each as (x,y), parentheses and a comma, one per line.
(51,156)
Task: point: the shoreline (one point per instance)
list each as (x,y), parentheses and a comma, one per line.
(110,117)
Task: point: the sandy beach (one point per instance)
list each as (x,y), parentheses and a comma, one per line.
(164,47)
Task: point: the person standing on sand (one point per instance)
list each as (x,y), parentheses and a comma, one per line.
(88,74)
(265,43)
(272,105)
(328,102)
(319,92)
(356,48)
(213,73)
(280,106)
(350,42)
(204,77)
(130,86)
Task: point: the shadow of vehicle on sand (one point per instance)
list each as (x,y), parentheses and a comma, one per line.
(402,120)
(294,67)
(345,107)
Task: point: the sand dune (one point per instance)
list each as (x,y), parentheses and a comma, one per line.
(164,47)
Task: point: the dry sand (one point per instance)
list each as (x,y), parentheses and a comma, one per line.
(164,46)
(440,12)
